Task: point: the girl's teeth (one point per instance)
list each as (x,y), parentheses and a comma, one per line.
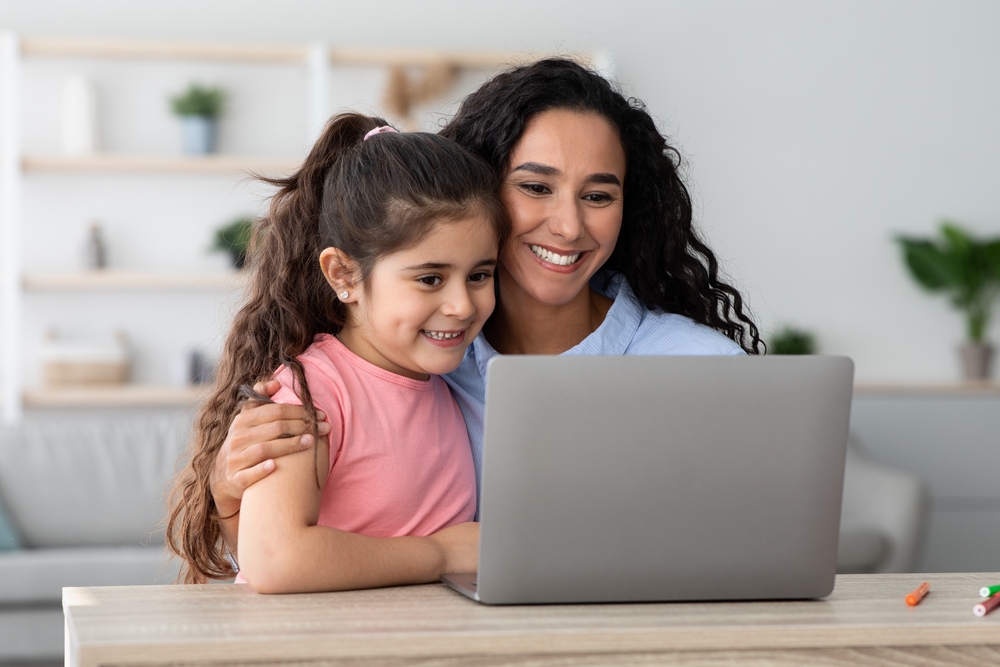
(553,258)
(440,335)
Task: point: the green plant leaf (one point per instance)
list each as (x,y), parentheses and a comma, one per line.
(791,340)
(967,268)
(199,101)
(959,239)
(931,267)
(991,250)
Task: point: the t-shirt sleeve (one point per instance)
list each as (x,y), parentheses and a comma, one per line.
(323,399)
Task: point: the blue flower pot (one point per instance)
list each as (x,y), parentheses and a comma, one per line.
(198,134)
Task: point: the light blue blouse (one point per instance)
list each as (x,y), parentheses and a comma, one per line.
(628,328)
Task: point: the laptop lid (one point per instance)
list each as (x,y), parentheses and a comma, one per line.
(662,478)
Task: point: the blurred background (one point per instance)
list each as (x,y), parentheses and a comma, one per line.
(813,135)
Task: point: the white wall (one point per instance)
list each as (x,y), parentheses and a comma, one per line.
(813,131)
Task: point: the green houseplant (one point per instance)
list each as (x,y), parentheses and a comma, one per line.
(234,239)
(967,270)
(792,340)
(199,108)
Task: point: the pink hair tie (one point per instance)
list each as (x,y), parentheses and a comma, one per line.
(379,130)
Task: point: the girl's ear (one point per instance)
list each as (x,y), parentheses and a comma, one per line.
(341,272)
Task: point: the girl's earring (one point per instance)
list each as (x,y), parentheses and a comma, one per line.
(344,294)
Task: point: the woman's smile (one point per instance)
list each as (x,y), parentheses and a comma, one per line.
(561,261)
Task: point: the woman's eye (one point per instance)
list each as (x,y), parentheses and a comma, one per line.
(430,281)
(534,188)
(599,198)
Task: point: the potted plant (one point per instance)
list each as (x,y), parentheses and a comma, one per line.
(234,239)
(199,109)
(791,340)
(968,271)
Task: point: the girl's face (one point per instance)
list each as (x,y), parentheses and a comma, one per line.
(422,306)
(563,192)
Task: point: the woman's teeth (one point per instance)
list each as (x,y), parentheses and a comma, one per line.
(553,258)
(440,335)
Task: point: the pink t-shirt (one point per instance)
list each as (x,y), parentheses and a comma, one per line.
(400,459)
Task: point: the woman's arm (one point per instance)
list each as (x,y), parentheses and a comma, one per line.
(282,550)
(258,435)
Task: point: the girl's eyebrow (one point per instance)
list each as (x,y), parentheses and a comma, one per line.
(546,170)
(438,266)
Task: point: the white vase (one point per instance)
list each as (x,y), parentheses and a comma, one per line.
(198,134)
(78,134)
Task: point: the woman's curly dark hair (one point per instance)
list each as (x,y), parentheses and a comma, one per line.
(658,252)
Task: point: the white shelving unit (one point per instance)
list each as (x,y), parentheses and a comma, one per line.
(15,284)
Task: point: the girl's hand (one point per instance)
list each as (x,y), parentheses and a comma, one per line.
(460,546)
(261,433)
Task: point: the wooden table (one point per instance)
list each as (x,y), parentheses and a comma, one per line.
(864,622)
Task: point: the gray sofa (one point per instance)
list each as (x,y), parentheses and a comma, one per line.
(85,496)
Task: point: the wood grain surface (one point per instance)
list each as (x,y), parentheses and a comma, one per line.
(864,622)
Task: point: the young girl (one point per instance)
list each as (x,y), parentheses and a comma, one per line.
(372,273)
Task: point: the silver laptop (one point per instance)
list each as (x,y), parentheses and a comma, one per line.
(625,479)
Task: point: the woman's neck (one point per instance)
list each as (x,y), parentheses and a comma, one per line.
(523,325)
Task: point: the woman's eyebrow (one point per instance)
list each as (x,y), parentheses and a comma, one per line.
(546,170)
(607,179)
(536,168)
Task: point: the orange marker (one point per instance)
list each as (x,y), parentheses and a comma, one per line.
(914,598)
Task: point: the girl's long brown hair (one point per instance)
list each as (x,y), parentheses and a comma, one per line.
(368,198)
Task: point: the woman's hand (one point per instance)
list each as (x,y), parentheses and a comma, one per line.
(261,433)
(460,546)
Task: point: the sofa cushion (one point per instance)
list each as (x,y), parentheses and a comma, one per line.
(38,575)
(90,480)
(31,634)
(9,539)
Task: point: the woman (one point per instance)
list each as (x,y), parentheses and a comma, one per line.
(602,259)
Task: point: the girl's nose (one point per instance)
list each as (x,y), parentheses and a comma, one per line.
(566,221)
(458,303)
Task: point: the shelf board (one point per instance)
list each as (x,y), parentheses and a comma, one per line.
(130,49)
(967,388)
(291,54)
(133,280)
(208,164)
(114,396)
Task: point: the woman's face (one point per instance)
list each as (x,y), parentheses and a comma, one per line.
(563,192)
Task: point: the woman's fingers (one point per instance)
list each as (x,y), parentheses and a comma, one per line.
(269,388)
(270,412)
(262,452)
(247,477)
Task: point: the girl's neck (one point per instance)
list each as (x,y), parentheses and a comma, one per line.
(523,325)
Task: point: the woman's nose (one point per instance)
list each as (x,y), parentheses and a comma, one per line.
(566,221)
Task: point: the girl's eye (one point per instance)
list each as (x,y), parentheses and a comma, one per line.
(480,276)
(430,281)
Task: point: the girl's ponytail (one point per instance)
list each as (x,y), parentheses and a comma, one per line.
(286,304)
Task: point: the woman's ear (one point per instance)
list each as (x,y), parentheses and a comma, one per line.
(341,272)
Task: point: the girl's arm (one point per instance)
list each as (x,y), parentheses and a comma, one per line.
(258,435)
(282,550)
